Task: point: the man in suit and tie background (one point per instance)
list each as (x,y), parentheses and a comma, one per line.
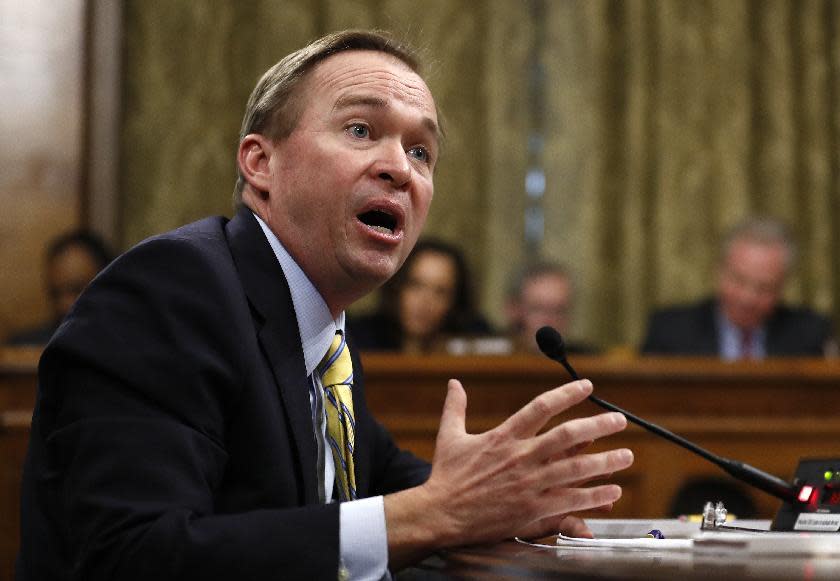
(747,318)
(198,413)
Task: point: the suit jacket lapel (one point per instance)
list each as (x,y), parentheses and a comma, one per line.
(775,338)
(267,289)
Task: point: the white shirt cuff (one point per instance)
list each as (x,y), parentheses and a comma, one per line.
(363,539)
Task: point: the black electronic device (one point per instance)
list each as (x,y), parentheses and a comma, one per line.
(818,501)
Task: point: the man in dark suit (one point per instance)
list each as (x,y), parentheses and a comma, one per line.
(542,294)
(747,319)
(181,428)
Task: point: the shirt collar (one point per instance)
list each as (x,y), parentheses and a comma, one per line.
(315,323)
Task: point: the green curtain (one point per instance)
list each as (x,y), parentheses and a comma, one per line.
(664,123)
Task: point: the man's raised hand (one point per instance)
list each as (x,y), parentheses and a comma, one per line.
(513,480)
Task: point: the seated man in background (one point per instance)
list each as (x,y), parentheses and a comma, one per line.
(746,320)
(542,294)
(70,263)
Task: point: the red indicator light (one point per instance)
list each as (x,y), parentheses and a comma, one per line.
(805,493)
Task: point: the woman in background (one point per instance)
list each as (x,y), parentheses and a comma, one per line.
(428,301)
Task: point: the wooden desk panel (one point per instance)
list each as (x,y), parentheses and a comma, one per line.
(768,414)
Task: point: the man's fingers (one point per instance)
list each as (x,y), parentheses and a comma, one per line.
(605,508)
(568,453)
(536,413)
(569,525)
(568,438)
(574,470)
(591,479)
(578,448)
(573,526)
(566,500)
(453,417)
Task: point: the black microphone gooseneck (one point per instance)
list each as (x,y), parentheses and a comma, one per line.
(552,346)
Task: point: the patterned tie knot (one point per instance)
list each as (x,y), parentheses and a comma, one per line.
(337,379)
(337,367)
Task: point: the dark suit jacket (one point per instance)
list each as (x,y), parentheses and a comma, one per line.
(172,437)
(692,330)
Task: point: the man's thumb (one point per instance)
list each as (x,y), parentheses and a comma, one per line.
(452,420)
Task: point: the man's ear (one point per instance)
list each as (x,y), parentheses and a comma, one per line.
(252,157)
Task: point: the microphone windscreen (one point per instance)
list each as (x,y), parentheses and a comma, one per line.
(551,343)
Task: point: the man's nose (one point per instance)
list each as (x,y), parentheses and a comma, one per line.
(750,292)
(392,164)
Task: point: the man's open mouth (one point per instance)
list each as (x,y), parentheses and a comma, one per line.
(379,220)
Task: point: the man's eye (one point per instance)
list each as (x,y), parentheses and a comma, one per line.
(359,130)
(420,153)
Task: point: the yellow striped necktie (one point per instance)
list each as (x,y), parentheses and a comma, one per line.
(336,371)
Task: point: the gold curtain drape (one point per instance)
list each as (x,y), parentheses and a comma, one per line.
(669,122)
(664,123)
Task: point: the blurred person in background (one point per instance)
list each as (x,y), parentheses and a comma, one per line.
(70,263)
(428,301)
(542,294)
(747,318)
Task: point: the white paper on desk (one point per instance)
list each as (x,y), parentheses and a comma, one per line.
(639,544)
(637,528)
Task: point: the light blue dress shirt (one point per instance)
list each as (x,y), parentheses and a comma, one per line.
(363,540)
(730,341)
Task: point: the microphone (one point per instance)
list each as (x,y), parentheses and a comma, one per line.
(552,346)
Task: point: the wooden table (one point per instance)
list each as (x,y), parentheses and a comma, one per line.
(768,414)
(511,560)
